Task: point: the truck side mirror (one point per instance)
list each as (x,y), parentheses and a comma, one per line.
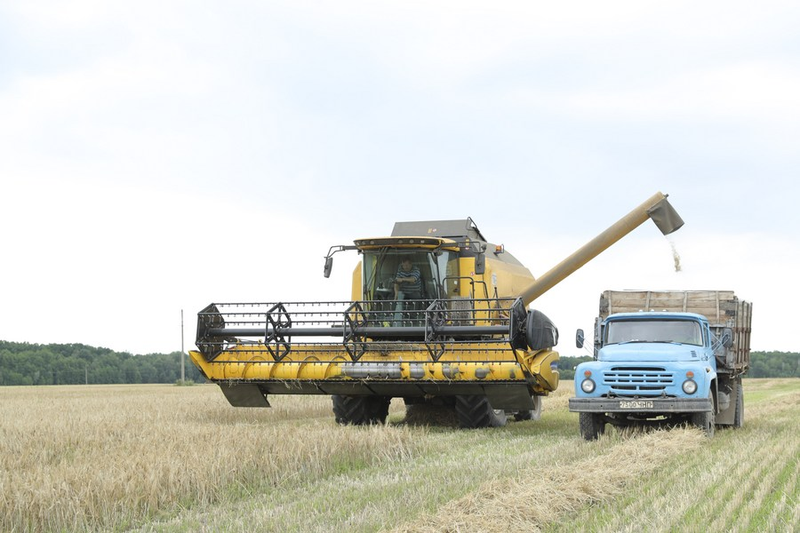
(328,266)
(579,338)
(727,337)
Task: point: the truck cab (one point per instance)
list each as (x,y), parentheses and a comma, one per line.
(649,368)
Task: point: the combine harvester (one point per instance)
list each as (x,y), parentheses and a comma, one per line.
(438,316)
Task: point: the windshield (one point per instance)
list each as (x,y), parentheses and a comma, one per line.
(381,267)
(682,331)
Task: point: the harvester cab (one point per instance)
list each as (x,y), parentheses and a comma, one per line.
(425,262)
(434,255)
(437,315)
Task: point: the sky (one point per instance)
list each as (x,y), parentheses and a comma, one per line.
(157,156)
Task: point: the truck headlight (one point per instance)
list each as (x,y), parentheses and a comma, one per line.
(587,386)
(689,386)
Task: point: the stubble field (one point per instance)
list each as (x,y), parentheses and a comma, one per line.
(166,458)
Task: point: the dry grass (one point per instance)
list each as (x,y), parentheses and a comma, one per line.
(107,457)
(165,458)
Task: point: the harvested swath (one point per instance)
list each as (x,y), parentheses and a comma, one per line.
(536,498)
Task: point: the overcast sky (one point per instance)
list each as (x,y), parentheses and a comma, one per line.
(157,156)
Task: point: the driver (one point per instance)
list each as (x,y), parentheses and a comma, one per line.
(407,282)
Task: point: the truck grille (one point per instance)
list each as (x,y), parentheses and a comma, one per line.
(638,379)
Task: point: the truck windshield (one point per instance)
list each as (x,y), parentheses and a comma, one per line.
(680,331)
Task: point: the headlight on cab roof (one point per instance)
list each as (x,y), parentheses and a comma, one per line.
(689,386)
(587,386)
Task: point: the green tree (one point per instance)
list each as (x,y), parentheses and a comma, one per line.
(567,365)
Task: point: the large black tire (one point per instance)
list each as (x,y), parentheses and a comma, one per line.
(360,410)
(738,414)
(531,414)
(706,421)
(592,425)
(477,412)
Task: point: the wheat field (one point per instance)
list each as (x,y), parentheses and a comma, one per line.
(166,458)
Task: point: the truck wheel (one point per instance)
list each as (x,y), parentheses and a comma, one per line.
(531,414)
(738,414)
(477,412)
(360,410)
(592,425)
(706,421)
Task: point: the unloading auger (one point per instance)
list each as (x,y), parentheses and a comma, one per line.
(463,338)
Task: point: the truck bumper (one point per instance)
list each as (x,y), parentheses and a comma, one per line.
(639,405)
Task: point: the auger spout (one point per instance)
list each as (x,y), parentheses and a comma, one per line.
(657,208)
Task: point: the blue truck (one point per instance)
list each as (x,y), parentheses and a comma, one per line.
(664,358)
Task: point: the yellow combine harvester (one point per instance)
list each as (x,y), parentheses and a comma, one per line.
(438,315)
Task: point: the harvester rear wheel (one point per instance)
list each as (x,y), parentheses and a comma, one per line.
(592,425)
(360,410)
(477,412)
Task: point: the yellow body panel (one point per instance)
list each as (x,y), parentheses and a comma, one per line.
(508,279)
(356,291)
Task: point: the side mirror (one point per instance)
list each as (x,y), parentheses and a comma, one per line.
(579,338)
(328,266)
(727,337)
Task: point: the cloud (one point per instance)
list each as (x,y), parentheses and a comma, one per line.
(751,92)
(161,155)
(112,264)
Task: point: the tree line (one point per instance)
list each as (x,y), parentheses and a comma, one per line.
(72,364)
(22,363)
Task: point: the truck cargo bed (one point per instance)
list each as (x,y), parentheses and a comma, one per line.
(722,309)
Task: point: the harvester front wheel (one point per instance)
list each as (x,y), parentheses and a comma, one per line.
(592,425)
(531,414)
(360,410)
(477,412)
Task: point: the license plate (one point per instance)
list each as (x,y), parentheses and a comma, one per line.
(635,404)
